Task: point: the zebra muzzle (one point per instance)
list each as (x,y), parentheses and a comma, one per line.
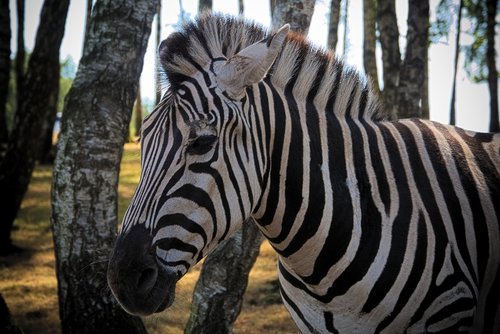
(139,284)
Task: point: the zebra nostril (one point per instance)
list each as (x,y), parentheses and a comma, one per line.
(147,279)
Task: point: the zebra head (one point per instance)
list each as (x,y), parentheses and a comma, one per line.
(200,165)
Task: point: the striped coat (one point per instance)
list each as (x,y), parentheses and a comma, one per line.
(379,226)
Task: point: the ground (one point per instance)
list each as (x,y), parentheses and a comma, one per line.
(28,282)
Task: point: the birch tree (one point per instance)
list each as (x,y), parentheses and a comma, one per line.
(31,117)
(411,77)
(297,13)
(391,54)
(20,53)
(333,24)
(455,65)
(5,35)
(84,192)
(370,41)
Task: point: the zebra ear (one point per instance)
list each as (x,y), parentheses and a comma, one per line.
(250,65)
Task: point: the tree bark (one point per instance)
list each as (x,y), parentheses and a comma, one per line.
(5,35)
(297,13)
(30,119)
(138,113)
(411,76)
(492,68)
(88,16)
(219,291)
(425,87)
(157,60)
(455,65)
(391,55)
(241,7)
(333,24)
(204,5)
(346,29)
(21,53)
(218,294)
(370,41)
(84,192)
(46,154)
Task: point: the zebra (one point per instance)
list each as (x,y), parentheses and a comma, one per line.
(379,226)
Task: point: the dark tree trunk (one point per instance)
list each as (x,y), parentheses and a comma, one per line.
(333,24)
(223,280)
(455,66)
(370,41)
(241,7)
(411,78)
(157,60)
(138,113)
(47,152)
(391,55)
(492,67)
(7,325)
(219,291)
(4,70)
(425,87)
(88,16)
(21,53)
(297,13)
(346,28)
(272,5)
(204,5)
(84,193)
(30,119)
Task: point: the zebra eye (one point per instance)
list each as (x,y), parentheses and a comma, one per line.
(201,145)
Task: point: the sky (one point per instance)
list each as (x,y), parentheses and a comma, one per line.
(472,99)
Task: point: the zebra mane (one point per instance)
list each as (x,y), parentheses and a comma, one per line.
(309,71)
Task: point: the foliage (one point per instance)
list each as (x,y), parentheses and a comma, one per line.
(439,29)
(475,12)
(475,53)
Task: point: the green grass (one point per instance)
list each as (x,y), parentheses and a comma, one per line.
(28,282)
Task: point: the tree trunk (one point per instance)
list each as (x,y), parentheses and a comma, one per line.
(47,153)
(455,65)
(391,55)
(7,325)
(333,24)
(157,60)
(297,13)
(219,291)
(4,70)
(29,121)
(204,5)
(272,4)
(218,294)
(88,16)
(241,7)
(411,78)
(138,113)
(492,68)
(425,88)
(84,192)
(346,29)
(21,53)
(370,41)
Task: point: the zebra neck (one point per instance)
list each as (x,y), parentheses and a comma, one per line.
(311,191)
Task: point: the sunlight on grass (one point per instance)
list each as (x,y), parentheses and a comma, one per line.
(28,282)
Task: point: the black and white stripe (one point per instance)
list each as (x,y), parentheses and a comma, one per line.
(379,226)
